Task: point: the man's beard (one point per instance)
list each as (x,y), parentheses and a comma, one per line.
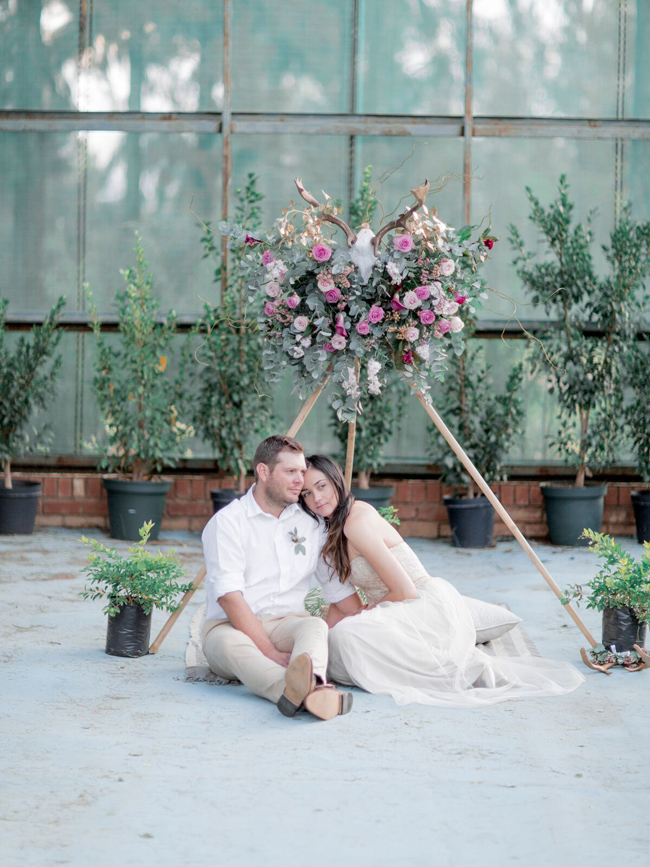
(276,495)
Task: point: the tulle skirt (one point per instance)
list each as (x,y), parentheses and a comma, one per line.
(422,651)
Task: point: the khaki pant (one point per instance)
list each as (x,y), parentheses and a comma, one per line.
(233,655)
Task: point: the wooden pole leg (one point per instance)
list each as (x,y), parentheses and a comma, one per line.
(164,632)
(349,456)
(306,409)
(501,511)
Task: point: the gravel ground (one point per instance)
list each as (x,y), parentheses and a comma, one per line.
(109,761)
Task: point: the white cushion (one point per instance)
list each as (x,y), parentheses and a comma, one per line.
(490,621)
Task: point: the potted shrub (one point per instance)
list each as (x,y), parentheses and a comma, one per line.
(28,371)
(132,587)
(141,402)
(232,411)
(485,423)
(621,590)
(581,351)
(380,417)
(637,417)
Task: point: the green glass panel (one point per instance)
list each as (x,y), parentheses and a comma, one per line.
(292,56)
(502,169)
(39,51)
(412,57)
(147,183)
(155,56)
(38,219)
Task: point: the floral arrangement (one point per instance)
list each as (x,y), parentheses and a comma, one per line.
(354,312)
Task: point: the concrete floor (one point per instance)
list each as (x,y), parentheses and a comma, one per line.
(107,761)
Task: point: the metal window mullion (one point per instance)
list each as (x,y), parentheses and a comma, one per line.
(226,134)
(468,123)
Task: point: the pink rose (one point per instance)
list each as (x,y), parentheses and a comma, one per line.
(340,326)
(456,324)
(407,358)
(269,308)
(403,243)
(300,323)
(267,258)
(423,292)
(321,252)
(396,304)
(293,301)
(325,281)
(443,326)
(375,314)
(328,347)
(333,295)
(339,342)
(273,290)
(363,327)
(411,300)
(411,334)
(427,317)
(447,267)
(460,299)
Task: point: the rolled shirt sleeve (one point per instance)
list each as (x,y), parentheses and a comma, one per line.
(333,590)
(223,549)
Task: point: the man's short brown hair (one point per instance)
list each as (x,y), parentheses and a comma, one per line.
(269,449)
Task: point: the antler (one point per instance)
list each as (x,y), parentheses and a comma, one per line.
(329,218)
(420,194)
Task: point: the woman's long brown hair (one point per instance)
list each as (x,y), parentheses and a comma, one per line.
(335,550)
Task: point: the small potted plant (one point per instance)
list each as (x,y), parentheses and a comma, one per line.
(581,352)
(28,371)
(142,404)
(233,410)
(132,587)
(485,423)
(637,417)
(621,590)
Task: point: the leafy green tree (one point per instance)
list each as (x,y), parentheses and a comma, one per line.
(141,402)
(485,423)
(233,410)
(637,409)
(28,372)
(582,354)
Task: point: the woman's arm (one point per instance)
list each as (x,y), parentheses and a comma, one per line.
(345,608)
(364,531)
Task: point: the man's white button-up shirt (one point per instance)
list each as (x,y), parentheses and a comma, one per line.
(270,560)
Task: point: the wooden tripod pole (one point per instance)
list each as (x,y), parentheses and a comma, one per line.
(293,430)
(510,524)
(349,456)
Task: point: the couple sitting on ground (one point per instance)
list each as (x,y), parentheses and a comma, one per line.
(413,639)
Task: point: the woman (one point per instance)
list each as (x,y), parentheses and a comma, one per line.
(414,639)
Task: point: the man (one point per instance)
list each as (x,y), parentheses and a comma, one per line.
(260,553)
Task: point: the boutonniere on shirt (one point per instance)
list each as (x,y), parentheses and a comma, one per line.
(297,540)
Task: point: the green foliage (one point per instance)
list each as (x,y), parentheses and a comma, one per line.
(363,207)
(142,578)
(637,409)
(389,513)
(28,372)
(232,410)
(381,416)
(141,402)
(585,371)
(484,423)
(622,582)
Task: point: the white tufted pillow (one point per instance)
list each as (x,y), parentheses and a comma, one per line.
(490,621)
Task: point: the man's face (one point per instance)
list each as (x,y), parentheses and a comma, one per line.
(284,484)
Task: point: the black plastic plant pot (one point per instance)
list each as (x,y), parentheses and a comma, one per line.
(130,504)
(641,505)
(128,632)
(621,629)
(18,507)
(222,498)
(571,510)
(471,520)
(378,497)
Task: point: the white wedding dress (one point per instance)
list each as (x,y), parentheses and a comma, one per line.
(422,650)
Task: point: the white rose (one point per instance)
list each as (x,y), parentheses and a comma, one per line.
(339,342)
(300,323)
(456,323)
(394,272)
(273,290)
(435,292)
(411,300)
(306,342)
(447,267)
(423,351)
(325,282)
(411,334)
